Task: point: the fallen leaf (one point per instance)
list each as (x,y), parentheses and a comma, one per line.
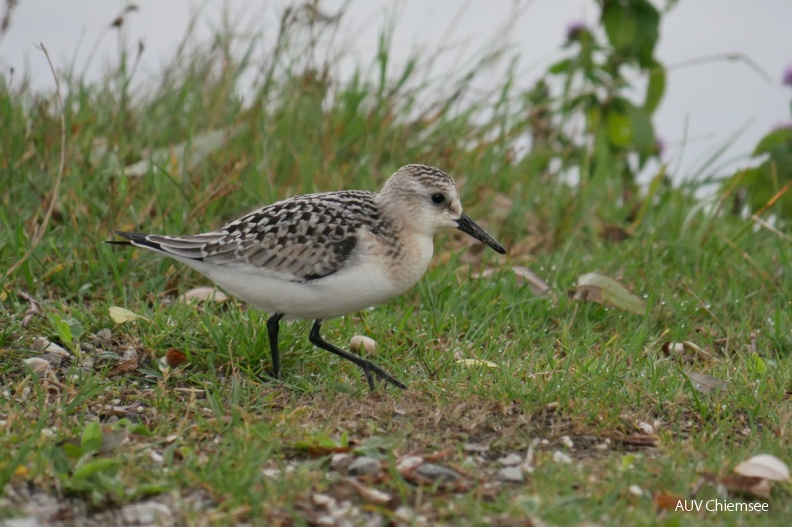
(763,466)
(609,292)
(476,362)
(129,362)
(523,276)
(705,383)
(367,493)
(174,357)
(667,501)
(737,484)
(121,315)
(537,285)
(203,294)
(321,445)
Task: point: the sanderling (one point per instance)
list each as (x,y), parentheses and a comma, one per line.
(320,256)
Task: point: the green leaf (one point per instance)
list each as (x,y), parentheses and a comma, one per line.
(632,27)
(93,466)
(656,87)
(776,139)
(643,137)
(75,327)
(562,66)
(321,444)
(62,328)
(758,363)
(71,449)
(91,438)
(619,129)
(627,462)
(150,489)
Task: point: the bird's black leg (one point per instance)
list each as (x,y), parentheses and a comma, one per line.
(367,366)
(272,332)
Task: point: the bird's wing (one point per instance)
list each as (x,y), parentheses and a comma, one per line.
(302,238)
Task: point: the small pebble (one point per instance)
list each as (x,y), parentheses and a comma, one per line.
(510,475)
(560,457)
(510,460)
(364,466)
(341,462)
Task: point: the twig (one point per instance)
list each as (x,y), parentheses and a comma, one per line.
(61,168)
(733,57)
(772,201)
(770,228)
(32,310)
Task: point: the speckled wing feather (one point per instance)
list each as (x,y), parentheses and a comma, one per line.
(302,238)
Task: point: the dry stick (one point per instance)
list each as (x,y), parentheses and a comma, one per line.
(61,167)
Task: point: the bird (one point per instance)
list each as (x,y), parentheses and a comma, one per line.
(324,255)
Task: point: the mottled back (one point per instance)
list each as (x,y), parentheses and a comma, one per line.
(304,238)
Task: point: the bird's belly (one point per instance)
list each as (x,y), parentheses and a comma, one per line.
(349,290)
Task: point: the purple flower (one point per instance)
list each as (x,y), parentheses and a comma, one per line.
(575,29)
(783,126)
(787,79)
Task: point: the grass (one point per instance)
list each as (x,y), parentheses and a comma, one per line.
(577,383)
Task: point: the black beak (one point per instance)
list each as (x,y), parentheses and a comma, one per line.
(466,225)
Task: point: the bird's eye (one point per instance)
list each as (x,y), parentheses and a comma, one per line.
(438,198)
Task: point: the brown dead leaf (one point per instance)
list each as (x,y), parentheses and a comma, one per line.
(197,295)
(537,285)
(174,357)
(609,292)
(367,493)
(667,501)
(736,484)
(523,276)
(705,383)
(128,363)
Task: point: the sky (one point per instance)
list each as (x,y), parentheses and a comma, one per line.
(709,99)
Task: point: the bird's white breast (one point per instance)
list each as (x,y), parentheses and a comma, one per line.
(368,278)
